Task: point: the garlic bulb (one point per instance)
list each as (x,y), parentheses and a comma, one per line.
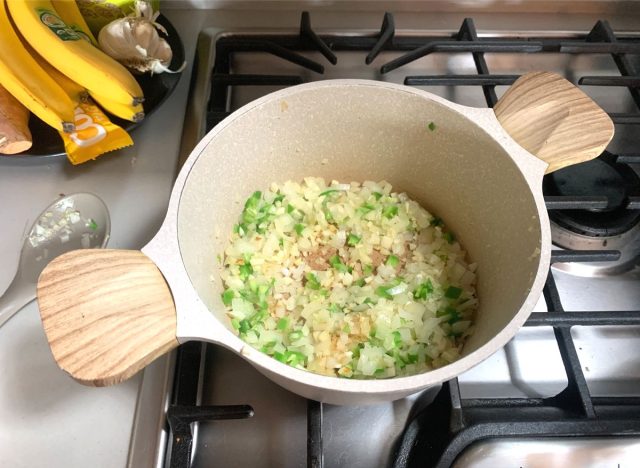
(134,41)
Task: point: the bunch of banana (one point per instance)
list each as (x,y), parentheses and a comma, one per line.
(62,40)
(65,49)
(21,75)
(70,14)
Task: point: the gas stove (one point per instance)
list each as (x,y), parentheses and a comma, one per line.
(573,370)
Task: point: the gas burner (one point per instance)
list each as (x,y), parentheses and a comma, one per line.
(609,227)
(628,243)
(601,177)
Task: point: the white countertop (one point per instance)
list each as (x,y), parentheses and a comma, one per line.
(46,418)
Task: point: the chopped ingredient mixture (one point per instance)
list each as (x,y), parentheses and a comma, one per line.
(348,280)
(58,223)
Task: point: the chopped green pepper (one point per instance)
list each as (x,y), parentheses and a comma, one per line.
(299,228)
(312,281)
(295,335)
(244,326)
(453,314)
(294,358)
(383,291)
(268,348)
(436,221)
(353,239)
(377,195)
(227,297)
(329,192)
(250,212)
(283,323)
(365,208)
(336,263)
(327,213)
(397,338)
(423,290)
(390,211)
(258,317)
(356,350)
(393,261)
(449,237)
(452,292)
(245,270)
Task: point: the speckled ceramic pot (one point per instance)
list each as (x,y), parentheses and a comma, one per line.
(469,171)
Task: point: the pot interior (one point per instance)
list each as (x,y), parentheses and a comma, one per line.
(356,132)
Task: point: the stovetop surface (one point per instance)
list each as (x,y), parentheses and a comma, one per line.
(530,366)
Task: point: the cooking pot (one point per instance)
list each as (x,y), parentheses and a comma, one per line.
(108,313)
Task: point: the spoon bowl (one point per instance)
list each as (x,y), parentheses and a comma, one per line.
(76,221)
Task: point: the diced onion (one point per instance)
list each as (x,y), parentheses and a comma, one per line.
(348,280)
(394,291)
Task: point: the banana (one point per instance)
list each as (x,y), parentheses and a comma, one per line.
(65,49)
(28,82)
(77,93)
(124,111)
(70,14)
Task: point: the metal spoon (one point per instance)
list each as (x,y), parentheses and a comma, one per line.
(76,221)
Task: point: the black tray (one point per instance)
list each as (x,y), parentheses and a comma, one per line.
(157,88)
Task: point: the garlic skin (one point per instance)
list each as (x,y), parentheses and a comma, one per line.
(134,41)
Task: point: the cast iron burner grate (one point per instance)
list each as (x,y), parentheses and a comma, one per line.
(573,412)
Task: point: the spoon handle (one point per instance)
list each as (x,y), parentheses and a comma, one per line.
(17,295)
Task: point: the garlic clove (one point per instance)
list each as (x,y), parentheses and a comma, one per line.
(134,41)
(108,44)
(164,52)
(161,50)
(145,35)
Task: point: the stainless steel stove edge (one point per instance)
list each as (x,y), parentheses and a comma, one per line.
(150,431)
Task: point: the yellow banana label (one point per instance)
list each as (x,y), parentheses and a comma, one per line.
(94,134)
(59,27)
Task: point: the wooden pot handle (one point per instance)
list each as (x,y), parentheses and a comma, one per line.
(554,120)
(106,313)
